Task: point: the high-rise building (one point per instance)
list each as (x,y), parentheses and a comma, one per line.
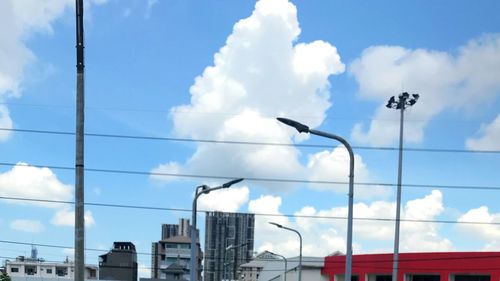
(120,263)
(229,240)
(170,230)
(171,256)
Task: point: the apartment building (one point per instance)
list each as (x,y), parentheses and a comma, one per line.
(229,242)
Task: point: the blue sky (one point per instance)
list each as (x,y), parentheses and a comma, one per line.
(223,70)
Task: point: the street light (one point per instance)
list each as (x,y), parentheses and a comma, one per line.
(230,247)
(300,246)
(202,189)
(401,104)
(283,257)
(305,129)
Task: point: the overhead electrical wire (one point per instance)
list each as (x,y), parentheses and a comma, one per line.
(439,150)
(191,112)
(327,260)
(256,214)
(258,179)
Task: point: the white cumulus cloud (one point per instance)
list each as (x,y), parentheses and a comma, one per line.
(334,166)
(66,217)
(32,226)
(18,21)
(482,224)
(329,227)
(26,181)
(161,172)
(259,74)
(224,200)
(489,137)
(445,81)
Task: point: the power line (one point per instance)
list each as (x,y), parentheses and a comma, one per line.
(438,150)
(191,112)
(256,214)
(328,259)
(258,179)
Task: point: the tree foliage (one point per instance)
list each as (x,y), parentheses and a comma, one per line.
(4,277)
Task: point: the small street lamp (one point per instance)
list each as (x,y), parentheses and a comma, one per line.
(202,189)
(300,246)
(305,129)
(403,102)
(283,257)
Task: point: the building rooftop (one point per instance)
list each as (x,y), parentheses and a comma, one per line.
(177,239)
(274,268)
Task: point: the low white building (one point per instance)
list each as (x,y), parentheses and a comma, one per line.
(311,269)
(250,271)
(30,269)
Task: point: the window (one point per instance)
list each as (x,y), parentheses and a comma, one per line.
(171,260)
(383,278)
(185,246)
(170,246)
(472,278)
(14,269)
(425,277)
(61,271)
(30,269)
(49,271)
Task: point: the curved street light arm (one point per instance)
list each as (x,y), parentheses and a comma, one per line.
(284,259)
(202,189)
(305,129)
(300,247)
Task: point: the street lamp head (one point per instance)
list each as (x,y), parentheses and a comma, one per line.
(416,96)
(276,224)
(299,126)
(390,103)
(203,187)
(229,183)
(405,95)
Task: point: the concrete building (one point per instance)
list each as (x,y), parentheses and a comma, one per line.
(223,231)
(311,270)
(35,269)
(442,266)
(250,271)
(170,230)
(120,263)
(171,256)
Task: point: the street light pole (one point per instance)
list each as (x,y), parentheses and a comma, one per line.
(230,247)
(202,189)
(283,257)
(404,101)
(301,128)
(300,246)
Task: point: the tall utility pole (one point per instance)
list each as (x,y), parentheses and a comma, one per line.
(403,102)
(79,176)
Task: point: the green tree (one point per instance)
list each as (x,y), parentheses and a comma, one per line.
(4,277)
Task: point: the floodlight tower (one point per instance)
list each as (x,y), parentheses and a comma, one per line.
(403,102)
